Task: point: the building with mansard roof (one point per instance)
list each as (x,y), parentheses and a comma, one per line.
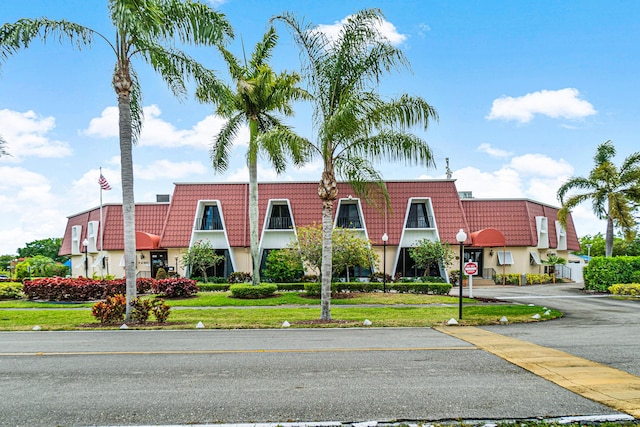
(503,235)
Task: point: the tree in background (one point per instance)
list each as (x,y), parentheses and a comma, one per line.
(356,127)
(283,266)
(46,247)
(146,31)
(426,253)
(621,246)
(200,257)
(259,94)
(351,250)
(614,193)
(5,261)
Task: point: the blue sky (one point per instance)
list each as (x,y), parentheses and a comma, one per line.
(525,92)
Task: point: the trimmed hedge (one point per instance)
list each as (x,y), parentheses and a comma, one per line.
(314,289)
(79,289)
(632,289)
(10,290)
(248,291)
(175,287)
(601,272)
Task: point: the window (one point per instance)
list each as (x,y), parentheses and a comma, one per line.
(561,233)
(210,219)
(76,234)
(280,218)
(407,266)
(534,258)
(505,258)
(349,216)
(543,231)
(418,217)
(222,269)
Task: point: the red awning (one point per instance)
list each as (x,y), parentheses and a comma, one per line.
(146,241)
(487,237)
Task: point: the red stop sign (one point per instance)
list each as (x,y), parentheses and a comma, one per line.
(471,268)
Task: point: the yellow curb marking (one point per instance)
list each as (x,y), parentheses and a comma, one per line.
(595,381)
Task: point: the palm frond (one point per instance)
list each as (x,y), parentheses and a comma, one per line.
(223,143)
(20,35)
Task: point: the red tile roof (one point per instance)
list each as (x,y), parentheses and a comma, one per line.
(149,219)
(174,222)
(516,219)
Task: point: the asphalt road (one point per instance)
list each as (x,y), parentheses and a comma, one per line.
(346,375)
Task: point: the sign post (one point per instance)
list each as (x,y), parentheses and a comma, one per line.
(470,269)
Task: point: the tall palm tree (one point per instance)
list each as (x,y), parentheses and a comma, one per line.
(146,31)
(614,193)
(3,147)
(259,93)
(356,126)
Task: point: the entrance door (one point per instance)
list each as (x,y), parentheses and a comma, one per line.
(158,260)
(474,255)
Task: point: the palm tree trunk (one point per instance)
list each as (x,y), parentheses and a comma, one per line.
(122,84)
(327,250)
(328,192)
(253,201)
(609,237)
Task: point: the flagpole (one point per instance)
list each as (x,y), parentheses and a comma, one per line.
(101,229)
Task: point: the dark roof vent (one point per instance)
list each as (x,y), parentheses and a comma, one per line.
(162,198)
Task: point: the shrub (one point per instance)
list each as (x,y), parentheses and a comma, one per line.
(161,274)
(160,309)
(379,277)
(10,290)
(175,287)
(314,289)
(509,279)
(239,277)
(141,310)
(213,287)
(247,291)
(632,289)
(601,272)
(283,266)
(111,310)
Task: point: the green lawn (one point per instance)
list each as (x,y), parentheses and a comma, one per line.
(219,310)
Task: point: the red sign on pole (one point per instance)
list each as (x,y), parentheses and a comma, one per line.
(471,268)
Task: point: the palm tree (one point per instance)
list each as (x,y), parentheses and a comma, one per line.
(614,193)
(3,147)
(143,30)
(259,93)
(356,127)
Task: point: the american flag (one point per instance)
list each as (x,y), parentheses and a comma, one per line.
(103,183)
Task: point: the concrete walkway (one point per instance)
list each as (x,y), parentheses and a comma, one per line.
(600,383)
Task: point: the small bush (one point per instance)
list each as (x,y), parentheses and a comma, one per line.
(111,310)
(161,274)
(141,310)
(602,272)
(239,277)
(379,277)
(246,291)
(160,309)
(632,289)
(175,287)
(283,266)
(213,287)
(510,279)
(11,290)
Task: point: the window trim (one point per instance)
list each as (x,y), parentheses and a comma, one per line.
(505,258)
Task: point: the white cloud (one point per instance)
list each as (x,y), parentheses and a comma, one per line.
(423,29)
(27,135)
(541,165)
(386,28)
(159,133)
(165,169)
(494,152)
(563,103)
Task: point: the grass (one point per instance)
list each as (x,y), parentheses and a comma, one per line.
(218,310)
